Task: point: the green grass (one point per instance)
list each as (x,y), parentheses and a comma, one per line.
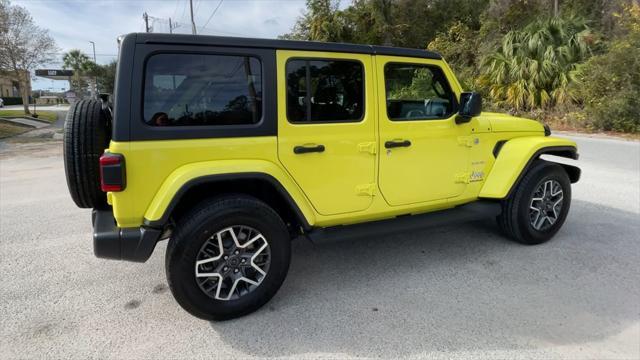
(7,130)
(49,116)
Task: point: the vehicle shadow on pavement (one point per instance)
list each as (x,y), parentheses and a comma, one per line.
(455,288)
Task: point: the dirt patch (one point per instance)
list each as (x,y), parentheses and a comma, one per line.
(8,130)
(17,147)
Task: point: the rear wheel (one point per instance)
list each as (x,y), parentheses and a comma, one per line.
(538,206)
(86,136)
(227,257)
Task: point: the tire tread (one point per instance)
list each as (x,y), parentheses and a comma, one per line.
(85,138)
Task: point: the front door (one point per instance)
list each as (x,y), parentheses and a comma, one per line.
(326,127)
(423,152)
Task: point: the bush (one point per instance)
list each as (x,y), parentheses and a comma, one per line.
(12,100)
(609,84)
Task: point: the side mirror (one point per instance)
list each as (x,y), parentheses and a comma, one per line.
(470,106)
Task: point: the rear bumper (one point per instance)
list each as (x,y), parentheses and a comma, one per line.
(112,242)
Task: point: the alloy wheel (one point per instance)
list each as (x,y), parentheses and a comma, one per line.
(232,263)
(546,205)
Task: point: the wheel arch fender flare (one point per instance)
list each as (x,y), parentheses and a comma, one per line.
(514,157)
(210,173)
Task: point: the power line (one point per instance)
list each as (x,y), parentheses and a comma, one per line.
(184,10)
(213,13)
(175,10)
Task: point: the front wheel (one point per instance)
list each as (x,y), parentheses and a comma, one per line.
(538,206)
(227,257)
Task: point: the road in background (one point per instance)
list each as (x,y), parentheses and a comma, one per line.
(449,292)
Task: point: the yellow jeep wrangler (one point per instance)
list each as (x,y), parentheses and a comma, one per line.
(231,147)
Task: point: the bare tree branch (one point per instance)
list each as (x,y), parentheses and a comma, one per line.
(23,45)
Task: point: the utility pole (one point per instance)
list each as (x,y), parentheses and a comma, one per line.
(173,25)
(145,16)
(193,23)
(555,8)
(95,78)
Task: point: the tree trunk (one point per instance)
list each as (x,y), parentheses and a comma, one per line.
(24,91)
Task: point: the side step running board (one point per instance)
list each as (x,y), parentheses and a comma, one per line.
(469,212)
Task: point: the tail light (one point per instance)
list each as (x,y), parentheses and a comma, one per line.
(112,172)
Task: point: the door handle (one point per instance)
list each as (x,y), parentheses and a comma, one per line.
(308,149)
(397,143)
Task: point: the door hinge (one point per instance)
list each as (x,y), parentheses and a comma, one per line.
(368,147)
(465,141)
(365,189)
(462,178)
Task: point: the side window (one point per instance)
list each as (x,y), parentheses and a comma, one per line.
(417,92)
(201,89)
(324,91)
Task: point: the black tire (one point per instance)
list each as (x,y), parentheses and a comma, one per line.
(86,135)
(192,231)
(515,220)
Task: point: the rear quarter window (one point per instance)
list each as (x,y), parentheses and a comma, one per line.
(202,90)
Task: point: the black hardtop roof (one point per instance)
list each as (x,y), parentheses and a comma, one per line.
(183,39)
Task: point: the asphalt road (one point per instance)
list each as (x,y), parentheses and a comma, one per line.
(449,292)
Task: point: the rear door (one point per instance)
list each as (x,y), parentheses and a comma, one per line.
(326,127)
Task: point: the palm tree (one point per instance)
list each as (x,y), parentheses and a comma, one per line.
(81,65)
(533,67)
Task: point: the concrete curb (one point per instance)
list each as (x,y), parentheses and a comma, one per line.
(36,119)
(28,122)
(7,121)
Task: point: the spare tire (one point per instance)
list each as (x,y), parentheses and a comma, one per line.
(87,131)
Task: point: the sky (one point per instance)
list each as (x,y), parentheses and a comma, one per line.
(74,23)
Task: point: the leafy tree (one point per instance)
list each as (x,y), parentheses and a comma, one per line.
(23,46)
(459,46)
(502,16)
(419,21)
(408,23)
(415,85)
(323,21)
(609,84)
(601,14)
(381,12)
(532,68)
(362,23)
(106,75)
